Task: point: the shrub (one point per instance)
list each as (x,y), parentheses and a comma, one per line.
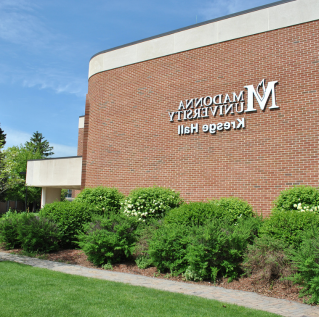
(144,234)
(203,252)
(38,234)
(108,240)
(143,262)
(220,247)
(289,226)
(103,200)
(70,217)
(194,213)
(151,202)
(290,198)
(306,260)
(233,208)
(167,247)
(266,259)
(8,230)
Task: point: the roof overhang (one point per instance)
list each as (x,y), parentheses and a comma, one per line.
(64,172)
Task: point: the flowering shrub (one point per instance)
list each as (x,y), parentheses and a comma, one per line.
(304,195)
(304,208)
(103,200)
(151,202)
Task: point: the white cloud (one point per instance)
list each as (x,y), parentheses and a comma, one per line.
(217,8)
(58,81)
(19,24)
(15,137)
(45,78)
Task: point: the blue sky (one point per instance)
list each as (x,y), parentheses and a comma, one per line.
(45,48)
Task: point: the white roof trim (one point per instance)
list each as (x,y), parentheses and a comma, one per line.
(253,22)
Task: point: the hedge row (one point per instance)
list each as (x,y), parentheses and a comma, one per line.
(201,240)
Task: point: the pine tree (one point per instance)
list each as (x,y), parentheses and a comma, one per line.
(39,144)
(2,138)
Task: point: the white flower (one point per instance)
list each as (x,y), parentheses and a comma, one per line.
(295,205)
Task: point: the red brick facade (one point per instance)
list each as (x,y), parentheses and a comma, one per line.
(80,141)
(79,153)
(129,141)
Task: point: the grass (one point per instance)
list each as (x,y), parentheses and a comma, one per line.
(29,291)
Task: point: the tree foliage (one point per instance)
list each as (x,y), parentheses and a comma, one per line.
(2,138)
(13,165)
(12,182)
(38,143)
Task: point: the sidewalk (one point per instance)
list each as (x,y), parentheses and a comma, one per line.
(251,300)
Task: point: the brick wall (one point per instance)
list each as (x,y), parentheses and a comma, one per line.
(80,142)
(129,141)
(79,153)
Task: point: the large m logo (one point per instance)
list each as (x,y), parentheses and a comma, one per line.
(262,100)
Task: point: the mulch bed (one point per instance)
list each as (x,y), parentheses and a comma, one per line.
(277,289)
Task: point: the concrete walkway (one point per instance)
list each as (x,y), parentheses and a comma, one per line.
(248,299)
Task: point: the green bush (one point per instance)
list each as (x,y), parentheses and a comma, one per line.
(306,261)
(144,234)
(38,234)
(103,200)
(8,230)
(194,213)
(205,251)
(233,208)
(290,198)
(151,202)
(289,225)
(220,248)
(267,259)
(109,240)
(70,217)
(167,248)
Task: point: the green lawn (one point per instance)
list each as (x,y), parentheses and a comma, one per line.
(29,291)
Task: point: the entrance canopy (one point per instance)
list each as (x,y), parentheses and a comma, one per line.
(53,175)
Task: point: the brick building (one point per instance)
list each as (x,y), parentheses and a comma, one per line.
(228,107)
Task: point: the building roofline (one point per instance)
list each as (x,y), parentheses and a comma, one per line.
(55,158)
(273,4)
